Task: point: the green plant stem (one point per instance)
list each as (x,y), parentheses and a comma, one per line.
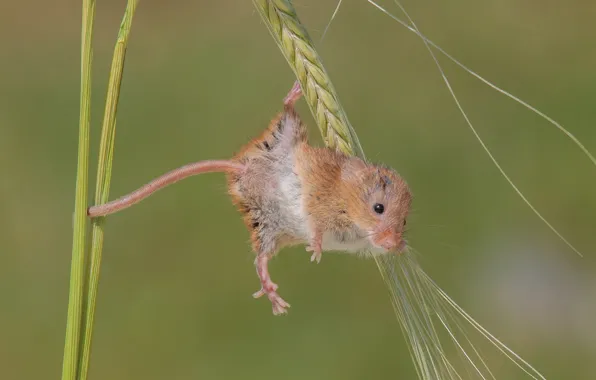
(104,175)
(77,274)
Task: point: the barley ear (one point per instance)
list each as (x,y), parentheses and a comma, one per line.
(297,47)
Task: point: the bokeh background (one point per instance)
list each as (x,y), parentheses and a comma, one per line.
(201,78)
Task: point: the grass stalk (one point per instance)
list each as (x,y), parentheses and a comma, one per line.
(104,174)
(77,274)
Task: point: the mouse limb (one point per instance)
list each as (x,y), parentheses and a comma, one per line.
(294,94)
(316,247)
(268,287)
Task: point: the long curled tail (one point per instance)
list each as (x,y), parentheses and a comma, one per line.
(159,183)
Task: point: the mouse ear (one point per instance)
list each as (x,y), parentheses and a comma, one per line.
(354,168)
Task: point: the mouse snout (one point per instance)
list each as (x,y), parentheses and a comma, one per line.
(390,240)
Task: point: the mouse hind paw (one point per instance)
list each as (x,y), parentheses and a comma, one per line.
(294,94)
(268,287)
(279,305)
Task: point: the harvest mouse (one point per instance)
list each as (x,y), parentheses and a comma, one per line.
(292,193)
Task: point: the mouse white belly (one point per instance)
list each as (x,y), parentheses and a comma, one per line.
(292,204)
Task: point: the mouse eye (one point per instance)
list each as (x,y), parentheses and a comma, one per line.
(404,222)
(379,208)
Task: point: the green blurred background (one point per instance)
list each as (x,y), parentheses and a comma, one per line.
(201,78)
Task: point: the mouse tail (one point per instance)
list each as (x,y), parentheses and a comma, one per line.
(159,183)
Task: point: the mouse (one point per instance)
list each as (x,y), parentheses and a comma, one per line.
(292,193)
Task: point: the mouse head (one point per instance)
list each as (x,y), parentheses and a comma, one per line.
(378,202)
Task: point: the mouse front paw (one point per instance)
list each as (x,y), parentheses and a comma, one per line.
(316,253)
(316,246)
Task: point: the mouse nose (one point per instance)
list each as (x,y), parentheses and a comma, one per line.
(391,241)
